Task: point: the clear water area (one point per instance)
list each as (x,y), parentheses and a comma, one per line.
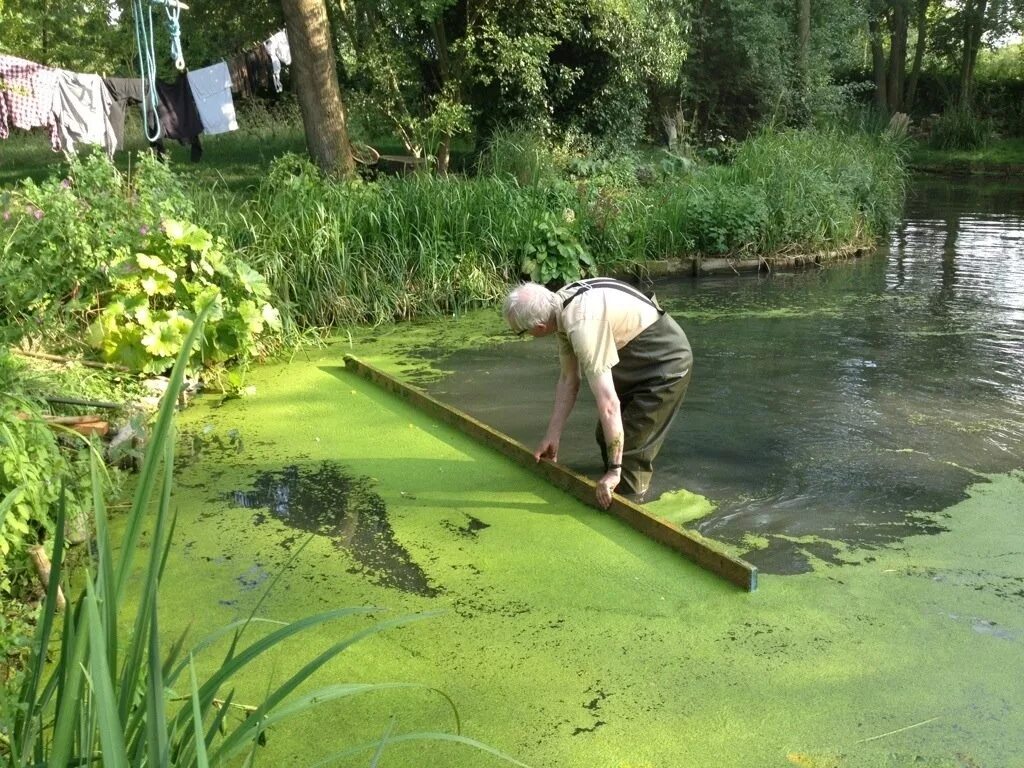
(829,408)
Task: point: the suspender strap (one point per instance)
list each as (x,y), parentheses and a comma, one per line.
(582,286)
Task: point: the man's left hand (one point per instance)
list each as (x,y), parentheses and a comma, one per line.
(605,486)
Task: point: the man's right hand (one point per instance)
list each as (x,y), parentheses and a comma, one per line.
(548,449)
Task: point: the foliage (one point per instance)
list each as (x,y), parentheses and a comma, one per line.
(960,129)
(824,189)
(96,250)
(115,690)
(33,468)
(566,64)
(59,236)
(74,35)
(337,253)
(346,252)
(157,292)
(520,153)
(554,254)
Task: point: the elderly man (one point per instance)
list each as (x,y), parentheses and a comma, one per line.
(637,361)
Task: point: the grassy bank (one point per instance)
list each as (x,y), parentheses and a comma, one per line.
(348,252)
(1002,157)
(398,247)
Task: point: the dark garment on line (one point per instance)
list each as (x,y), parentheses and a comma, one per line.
(179,118)
(260,69)
(176,112)
(126,92)
(240,83)
(650,378)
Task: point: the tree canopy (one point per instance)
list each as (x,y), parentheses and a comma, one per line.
(427,71)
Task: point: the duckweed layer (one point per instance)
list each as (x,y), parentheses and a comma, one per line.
(567,639)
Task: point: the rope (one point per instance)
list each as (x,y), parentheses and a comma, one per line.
(147,54)
(147,65)
(173,11)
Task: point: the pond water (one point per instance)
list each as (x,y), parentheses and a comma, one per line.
(833,413)
(830,408)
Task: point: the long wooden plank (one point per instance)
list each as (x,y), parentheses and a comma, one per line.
(704,552)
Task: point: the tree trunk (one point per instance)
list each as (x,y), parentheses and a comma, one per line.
(803,42)
(316,85)
(974,26)
(897,56)
(878,65)
(919,46)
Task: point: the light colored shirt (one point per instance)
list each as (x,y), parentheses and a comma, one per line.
(82,104)
(280,53)
(598,323)
(211,90)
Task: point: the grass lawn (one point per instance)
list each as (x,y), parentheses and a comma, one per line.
(231,162)
(1001,156)
(235,160)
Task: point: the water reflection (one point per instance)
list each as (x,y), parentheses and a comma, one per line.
(834,404)
(329,501)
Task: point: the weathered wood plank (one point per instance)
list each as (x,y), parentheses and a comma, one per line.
(706,553)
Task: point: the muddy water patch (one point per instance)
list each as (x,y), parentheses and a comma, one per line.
(330,501)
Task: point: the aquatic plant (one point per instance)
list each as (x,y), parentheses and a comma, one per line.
(117,695)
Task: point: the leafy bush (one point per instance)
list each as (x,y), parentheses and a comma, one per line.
(116,256)
(960,129)
(59,236)
(555,254)
(156,293)
(723,216)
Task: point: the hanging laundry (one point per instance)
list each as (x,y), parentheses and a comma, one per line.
(280,53)
(26,97)
(240,83)
(179,118)
(126,92)
(82,104)
(211,89)
(261,69)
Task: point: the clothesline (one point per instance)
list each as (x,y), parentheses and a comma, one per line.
(90,109)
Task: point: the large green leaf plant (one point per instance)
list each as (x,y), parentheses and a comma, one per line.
(157,291)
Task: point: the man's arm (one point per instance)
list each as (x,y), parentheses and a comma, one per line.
(610,414)
(565,398)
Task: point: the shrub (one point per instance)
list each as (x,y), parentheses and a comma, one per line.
(117,256)
(554,254)
(157,292)
(960,128)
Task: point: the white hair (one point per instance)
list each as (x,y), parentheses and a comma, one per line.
(528,304)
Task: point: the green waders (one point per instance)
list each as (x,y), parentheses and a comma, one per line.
(650,379)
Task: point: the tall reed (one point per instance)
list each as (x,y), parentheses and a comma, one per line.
(338,253)
(345,252)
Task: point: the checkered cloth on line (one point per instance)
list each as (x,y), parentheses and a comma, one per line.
(26,97)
